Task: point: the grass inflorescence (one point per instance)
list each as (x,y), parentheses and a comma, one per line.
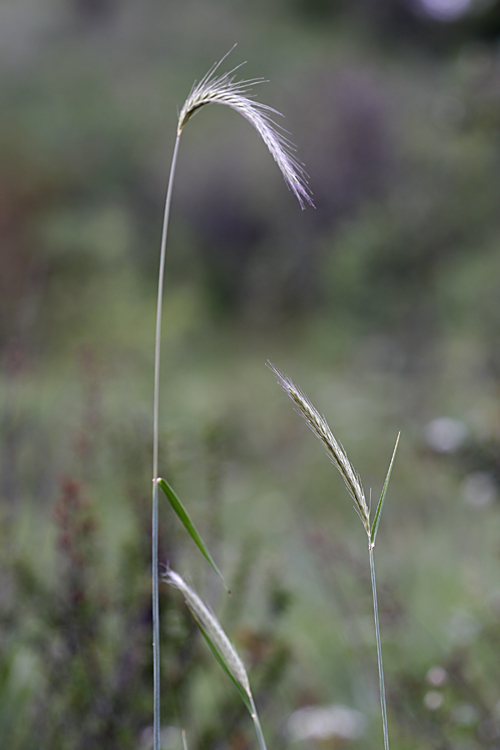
(318,424)
(221,647)
(225,89)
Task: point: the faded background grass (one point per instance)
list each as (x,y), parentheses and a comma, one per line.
(382,304)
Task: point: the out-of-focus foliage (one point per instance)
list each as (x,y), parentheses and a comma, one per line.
(383,303)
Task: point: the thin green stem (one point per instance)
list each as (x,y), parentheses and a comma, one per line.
(156,412)
(379,651)
(258,728)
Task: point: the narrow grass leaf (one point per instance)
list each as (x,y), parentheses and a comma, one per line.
(189,525)
(376,520)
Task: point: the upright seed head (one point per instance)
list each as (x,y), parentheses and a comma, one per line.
(318,424)
(224,89)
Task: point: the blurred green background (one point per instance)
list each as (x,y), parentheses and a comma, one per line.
(383,304)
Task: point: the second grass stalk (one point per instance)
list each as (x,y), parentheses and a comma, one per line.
(318,424)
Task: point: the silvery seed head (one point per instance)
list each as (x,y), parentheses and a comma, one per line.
(224,89)
(212,627)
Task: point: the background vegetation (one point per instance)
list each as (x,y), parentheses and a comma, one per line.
(383,304)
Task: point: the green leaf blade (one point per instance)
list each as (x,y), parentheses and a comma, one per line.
(376,520)
(183,515)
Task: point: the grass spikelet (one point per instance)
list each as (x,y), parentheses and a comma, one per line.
(318,424)
(224,89)
(212,629)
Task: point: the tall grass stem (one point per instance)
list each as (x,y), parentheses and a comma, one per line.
(379,651)
(156,412)
(319,426)
(212,89)
(258,728)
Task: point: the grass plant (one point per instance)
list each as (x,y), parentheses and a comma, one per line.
(221,647)
(319,426)
(211,89)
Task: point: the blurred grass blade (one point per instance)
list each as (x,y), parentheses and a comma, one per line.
(220,645)
(257,726)
(215,636)
(376,520)
(247,698)
(189,525)
(239,687)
